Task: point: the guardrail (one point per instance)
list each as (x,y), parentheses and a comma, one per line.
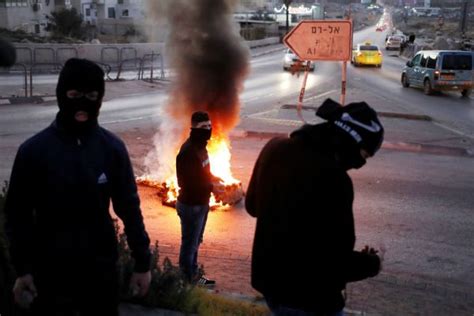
(65,53)
(152,56)
(138,62)
(24,55)
(25,74)
(53,66)
(37,51)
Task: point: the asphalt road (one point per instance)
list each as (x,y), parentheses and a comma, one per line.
(417,204)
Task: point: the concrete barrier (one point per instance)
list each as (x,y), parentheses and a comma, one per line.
(95,52)
(113,53)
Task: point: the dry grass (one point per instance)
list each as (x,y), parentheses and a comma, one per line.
(208,304)
(429,28)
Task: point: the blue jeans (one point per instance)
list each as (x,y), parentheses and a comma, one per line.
(281,310)
(193,222)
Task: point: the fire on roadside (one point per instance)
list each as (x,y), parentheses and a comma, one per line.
(220,160)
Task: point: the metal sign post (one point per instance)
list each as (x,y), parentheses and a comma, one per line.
(343,83)
(301,97)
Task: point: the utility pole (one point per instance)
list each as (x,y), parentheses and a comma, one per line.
(463,22)
(287,7)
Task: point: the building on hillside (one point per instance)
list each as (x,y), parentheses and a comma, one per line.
(113,17)
(92,10)
(28,15)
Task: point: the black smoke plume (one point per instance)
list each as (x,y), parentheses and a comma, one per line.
(210,60)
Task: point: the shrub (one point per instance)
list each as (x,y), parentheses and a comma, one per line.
(170,290)
(65,23)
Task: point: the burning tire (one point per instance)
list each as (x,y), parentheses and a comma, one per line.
(167,193)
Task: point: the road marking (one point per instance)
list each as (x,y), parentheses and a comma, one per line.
(257,97)
(453,130)
(321,95)
(284,122)
(131,119)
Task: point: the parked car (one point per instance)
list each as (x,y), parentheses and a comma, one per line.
(393,42)
(291,60)
(367,54)
(436,70)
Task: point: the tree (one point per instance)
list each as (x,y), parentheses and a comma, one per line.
(287,5)
(65,23)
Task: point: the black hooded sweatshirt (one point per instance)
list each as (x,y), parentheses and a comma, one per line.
(62,181)
(303,247)
(58,202)
(193,170)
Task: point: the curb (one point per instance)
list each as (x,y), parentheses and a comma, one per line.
(408,116)
(428,149)
(396,146)
(27,100)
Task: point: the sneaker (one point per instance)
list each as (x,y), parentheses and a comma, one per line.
(202,281)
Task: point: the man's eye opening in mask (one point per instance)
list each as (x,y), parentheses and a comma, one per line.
(204,125)
(75,94)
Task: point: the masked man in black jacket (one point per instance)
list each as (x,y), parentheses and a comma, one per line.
(196,183)
(62,238)
(300,193)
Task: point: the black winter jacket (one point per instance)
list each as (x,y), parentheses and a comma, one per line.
(58,202)
(194,174)
(303,248)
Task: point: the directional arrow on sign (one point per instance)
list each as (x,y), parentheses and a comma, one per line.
(321,40)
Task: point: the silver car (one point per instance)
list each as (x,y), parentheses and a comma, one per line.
(437,70)
(393,42)
(291,59)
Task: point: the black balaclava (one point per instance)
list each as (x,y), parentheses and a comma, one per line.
(200,128)
(84,76)
(355,127)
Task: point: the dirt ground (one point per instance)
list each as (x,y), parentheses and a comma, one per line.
(428,29)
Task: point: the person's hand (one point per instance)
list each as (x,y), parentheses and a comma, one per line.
(218,187)
(24,291)
(379,253)
(140,283)
(369,250)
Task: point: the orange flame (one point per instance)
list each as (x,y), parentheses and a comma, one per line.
(219,156)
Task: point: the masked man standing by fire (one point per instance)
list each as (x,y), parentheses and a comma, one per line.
(302,197)
(196,184)
(63,243)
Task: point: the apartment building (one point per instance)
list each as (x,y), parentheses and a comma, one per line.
(28,15)
(94,10)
